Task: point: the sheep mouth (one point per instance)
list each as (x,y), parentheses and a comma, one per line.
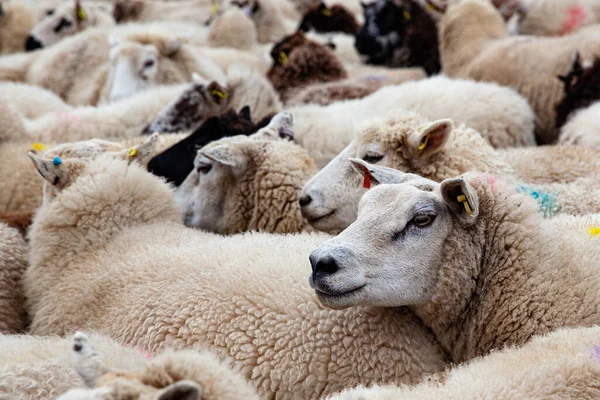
(330,294)
(312,220)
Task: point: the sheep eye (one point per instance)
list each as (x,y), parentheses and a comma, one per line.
(62,24)
(148,63)
(423,220)
(373,158)
(49,12)
(203,168)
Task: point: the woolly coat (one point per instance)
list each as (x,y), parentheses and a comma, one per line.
(15,24)
(196,11)
(278,335)
(30,101)
(474,43)
(510,274)
(558,17)
(582,128)
(499,114)
(560,365)
(13,262)
(38,367)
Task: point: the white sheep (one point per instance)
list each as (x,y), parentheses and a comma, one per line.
(15,22)
(494,272)
(197,11)
(278,336)
(555,17)
(474,43)
(30,101)
(437,150)
(561,365)
(502,116)
(68,19)
(582,128)
(13,262)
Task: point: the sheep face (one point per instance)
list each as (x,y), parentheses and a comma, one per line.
(117,385)
(66,20)
(325,19)
(329,201)
(382,29)
(196,104)
(390,256)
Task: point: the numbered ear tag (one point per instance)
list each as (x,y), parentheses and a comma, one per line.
(424,143)
(367,180)
(283,58)
(463,199)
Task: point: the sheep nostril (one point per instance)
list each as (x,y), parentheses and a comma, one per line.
(326,265)
(32,43)
(305,200)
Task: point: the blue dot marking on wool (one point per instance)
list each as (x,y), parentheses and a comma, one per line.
(57,161)
(548,202)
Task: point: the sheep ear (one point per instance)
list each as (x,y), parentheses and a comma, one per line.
(460,198)
(284,125)
(218,93)
(431,138)
(56,171)
(224,154)
(142,153)
(88,364)
(182,390)
(80,12)
(374,175)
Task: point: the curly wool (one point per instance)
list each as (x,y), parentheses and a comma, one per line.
(511,274)
(278,335)
(13,262)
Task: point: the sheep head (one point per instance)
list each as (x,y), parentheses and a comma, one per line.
(329,19)
(391,255)
(404,141)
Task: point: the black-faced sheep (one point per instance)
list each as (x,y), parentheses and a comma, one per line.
(323,19)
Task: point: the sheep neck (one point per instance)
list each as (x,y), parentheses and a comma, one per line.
(499,282)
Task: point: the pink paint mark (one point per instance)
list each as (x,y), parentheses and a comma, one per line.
(148,355)
(575,17)
(492,182)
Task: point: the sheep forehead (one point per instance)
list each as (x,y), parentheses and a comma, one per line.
(397,199)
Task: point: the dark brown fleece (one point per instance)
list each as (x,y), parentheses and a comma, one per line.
(19,220)
(582,89)
(304,63)
(127,10)
(325,19)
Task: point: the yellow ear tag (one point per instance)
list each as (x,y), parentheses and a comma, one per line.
(406,15)
(429,7)
(214,8)
(38,146)
(132,152)
(424,143)
(219,94)
(594,231)
(463,199)
(283,58)
(326,12)
(81,13)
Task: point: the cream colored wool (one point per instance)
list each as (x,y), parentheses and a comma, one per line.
(13,262)
(34,367)
(279,337)
(499,114)
(565,178)
(271,25)
(582,128)
(197,11)
(31,101)
(552,17)
(15,25)
(561,365)
(78,69)
(474,43)
(233,28)
(495,277)
(21,188)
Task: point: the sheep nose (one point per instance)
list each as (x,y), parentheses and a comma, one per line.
(305,200)
(32,43)
(325,265)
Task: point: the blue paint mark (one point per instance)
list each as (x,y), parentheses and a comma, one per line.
(548,202)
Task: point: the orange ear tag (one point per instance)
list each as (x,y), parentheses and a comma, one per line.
(367,180)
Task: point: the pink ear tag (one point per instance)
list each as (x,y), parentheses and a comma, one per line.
(367,180)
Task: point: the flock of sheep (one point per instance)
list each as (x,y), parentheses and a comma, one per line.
(175,174)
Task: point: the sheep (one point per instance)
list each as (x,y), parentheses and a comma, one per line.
(17,220)
(495,272)
(86,70)
(13,262)
(582,128)
(324,19)
(241,183)
(502,116)
(67,19)
(556,17)
(175,163)
(15,22)
(171,375)
(306,353)
(31,101)
(233,28)
(39,368)
(560,365)
(148,11)
(267,16)
(474,43)
(399,35)
(330,199)
(123,119)
(244,88)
